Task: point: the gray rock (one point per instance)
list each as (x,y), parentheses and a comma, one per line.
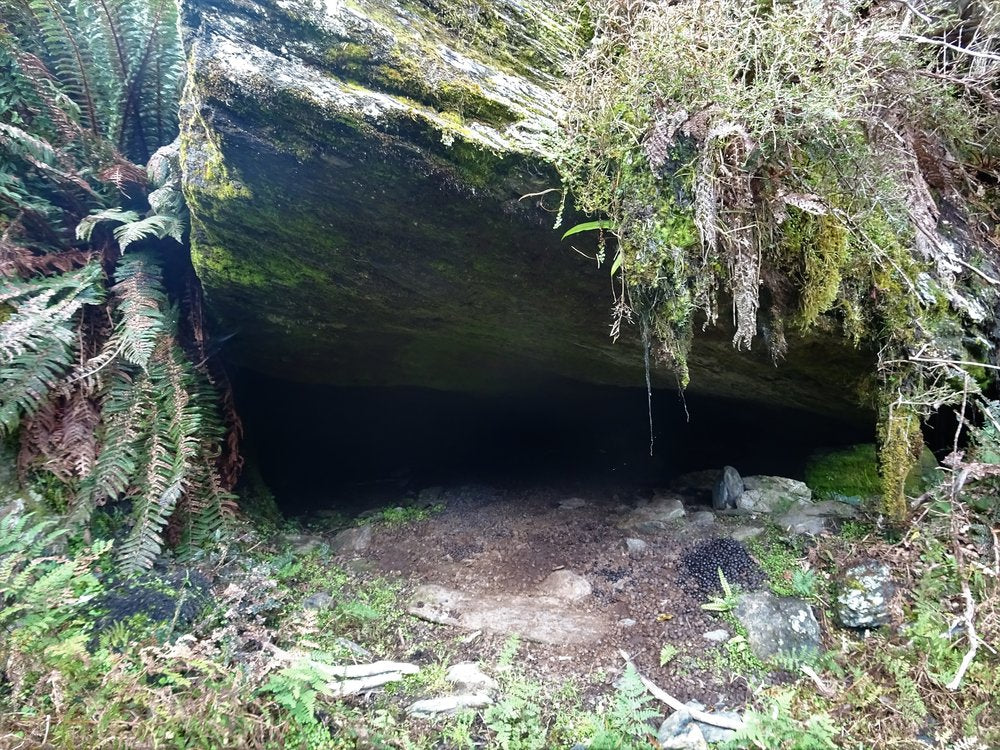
(865,591)
(769,494)
(816,518)
(676,728)
(702,518)
(717,735)
(651,516)
(777,625)
(565,584)
(727,490)
(470,678)
(717,636)
(746,532)
(627,622)
(635,547)
(318,601)
(356,539)
(679,732)
(448,704)
(573,503)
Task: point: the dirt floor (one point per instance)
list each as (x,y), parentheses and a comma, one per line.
(503,542)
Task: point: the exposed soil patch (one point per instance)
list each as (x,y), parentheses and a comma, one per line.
(493,543)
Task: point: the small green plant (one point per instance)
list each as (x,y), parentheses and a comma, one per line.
(775,728)
(667,654)
(627,721)
(516,720)
(725,603)
(296,688)
(401,515)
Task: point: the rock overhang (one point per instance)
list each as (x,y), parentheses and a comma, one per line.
(353,227)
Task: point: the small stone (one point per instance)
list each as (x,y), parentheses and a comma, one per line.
(777,625)
(448,704)
(356,539)
(727,490)
(469,677)
(627,622)
(866,590)
(318,601)
(565,584)
(716,636)
(635,547)
(573,503)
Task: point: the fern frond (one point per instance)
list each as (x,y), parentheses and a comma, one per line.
(158,226)
(37,340)
(71,65)
(85,229)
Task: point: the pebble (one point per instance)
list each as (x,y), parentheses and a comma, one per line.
(718,636)
(636,547)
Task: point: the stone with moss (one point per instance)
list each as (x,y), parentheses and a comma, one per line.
(361,180)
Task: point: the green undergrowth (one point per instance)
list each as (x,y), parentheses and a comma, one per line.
(246,667)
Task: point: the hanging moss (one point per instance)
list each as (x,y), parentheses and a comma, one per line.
(900,445)
(821,242)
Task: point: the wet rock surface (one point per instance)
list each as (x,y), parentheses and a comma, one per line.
(778,626)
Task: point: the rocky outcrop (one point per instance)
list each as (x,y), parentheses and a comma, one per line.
(357,175)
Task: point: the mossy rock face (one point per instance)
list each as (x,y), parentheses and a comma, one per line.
(355,173)
(854,473)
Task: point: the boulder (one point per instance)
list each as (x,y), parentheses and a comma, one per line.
(767,494)
(651,516)
(778,626)
(355,539)
(864,595)
(355,174)
(727,489)
(815,519)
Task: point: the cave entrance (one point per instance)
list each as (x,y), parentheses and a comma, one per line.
(349,449)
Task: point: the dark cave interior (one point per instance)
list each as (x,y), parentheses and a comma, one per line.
(322,447)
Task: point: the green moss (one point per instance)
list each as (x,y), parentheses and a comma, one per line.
(852,472)
(900,444)
(819,244)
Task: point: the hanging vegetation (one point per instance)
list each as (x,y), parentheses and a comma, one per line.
(810,164)
(104,379)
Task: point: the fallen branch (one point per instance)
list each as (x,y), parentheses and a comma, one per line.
(662,695)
